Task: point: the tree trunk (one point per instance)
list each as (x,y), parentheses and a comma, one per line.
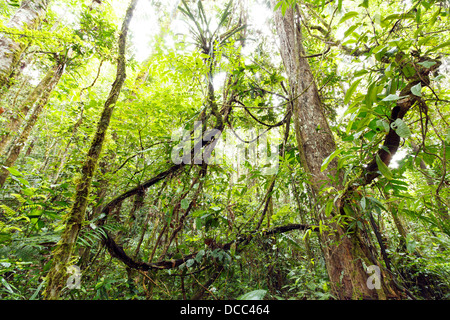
(16,120)
(346,255)
(62,255)
(65,154)
(51,79)
(27,16)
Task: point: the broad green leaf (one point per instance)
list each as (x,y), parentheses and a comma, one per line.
(278,5)
(401,128)
(350,30)
(377,203)
(190,262)
(383,168)
(363,203)
(393,97)
(329,208)
(184,204)
(384,124)
(14,172)
(350,91)
(23,181)
(360,73)
(371,95)
(328,159)
(199,256)
(233,249)
(400,16)
(365,4)
(417,90)
(253,295)
(442,45)
(427,64)
(347,16)
(284,8)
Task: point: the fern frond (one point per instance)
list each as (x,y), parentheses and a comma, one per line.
(19,197)
(7,210)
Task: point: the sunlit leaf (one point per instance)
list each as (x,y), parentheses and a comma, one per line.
(383,168)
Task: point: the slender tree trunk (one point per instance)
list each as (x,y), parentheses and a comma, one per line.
(62,255)
(27,16)
(16,120)
(345,253)
(63,160)
(51,79)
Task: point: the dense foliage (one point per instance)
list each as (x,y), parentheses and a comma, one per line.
(222,230)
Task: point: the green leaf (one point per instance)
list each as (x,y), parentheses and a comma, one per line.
(14,172)
(351,90)
(360,73)
(284,8)
(7,286)
(391,97)
(184,204)
(253,295)
(383,168)
(377,203)
(401,128)
(190,262)
(347,16)
(36,293)
(363,203)
(13,3)
(233,249)
(427,64)
(417,90)
(328,159)
(278,5)
(400,16)
(23,181)
(329,207)
(365,4)
(350,30)
(199,256)
(442,45)
(383,124)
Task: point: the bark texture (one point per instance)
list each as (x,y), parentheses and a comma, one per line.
(16,120)
(27,16)
(47,85)
(345,252)
(62,255)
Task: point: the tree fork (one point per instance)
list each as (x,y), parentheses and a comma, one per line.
(345,253)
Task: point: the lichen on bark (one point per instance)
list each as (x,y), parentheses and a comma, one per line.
(28,16)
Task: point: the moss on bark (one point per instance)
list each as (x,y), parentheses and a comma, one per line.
(57,274)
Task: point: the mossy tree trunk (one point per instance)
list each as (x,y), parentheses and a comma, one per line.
(46,87)
(16,119)
(28,16)
(64,250)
